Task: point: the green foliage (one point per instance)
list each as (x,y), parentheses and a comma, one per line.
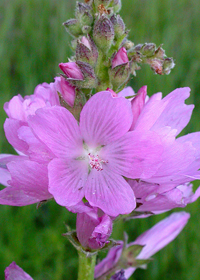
(32,44)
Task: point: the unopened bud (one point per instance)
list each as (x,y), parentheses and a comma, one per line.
(105,3)
(120,58)
(160,53)
(103,33)
(83,14)
(89,79)
(128,45)
(73,27)
(148,49)
(116,4)
(86,29)
(138,47)
(168,65)
(119,75)
(86,51)
(119,275)
(71,70)
(93,231)
(156,65)
(118,25)
(67,92)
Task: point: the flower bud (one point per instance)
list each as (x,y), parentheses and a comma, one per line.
(119,275)
(71,70)
(73,27)
(93,231)
(86,51)
(156,65)
(105,3)
(67,92)
(83,14)
(103,33)
(90,80)
(128,45)
(118,24)
(160,53)
(86,29)
(119,75)
(116,4)
(168,65)
(148,49)
(120,58)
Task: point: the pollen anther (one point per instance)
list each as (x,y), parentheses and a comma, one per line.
(95,162)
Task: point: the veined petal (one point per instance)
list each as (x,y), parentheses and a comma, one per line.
(58,129)
(105,118)
(171,111)
(110,192)
(135,155)
(67,180)
(37,151)
(11,127)
(29,183)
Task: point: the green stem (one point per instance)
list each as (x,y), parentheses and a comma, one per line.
(86,266)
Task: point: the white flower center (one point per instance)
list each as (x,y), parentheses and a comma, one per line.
(91,156)
(95,162)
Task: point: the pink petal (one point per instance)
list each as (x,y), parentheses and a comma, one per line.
(105,119)
(121,57)
(29,183)
(109,261)
(128,91)
(11,127)
(48,92)
(176,159)
(110,192)
(57,128)
(72,70)
(14,108)
(170,111)
(4,172)
(37,151)
(135,155)
(67,180)
(14,272)
(67,92)
(137,104)
(161,234)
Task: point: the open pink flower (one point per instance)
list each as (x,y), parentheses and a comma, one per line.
(26,176)
(92,157)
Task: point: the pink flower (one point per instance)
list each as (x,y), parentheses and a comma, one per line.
(120,57)
(14,272)
(93,229)
(26,176)
(26,181)
(92,157)
(17,130)
(153,240)
(71,70)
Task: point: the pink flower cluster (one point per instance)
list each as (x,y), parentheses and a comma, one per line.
(122,155)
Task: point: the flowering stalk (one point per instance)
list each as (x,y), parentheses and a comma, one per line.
(86,266)
(100,149)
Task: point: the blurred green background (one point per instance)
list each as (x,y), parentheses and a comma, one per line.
(32,43)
